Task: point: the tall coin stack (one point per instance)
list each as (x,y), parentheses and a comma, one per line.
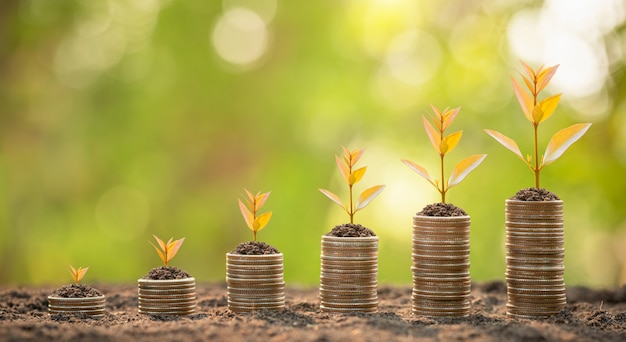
(255,282)
(167,297)
(349,274)
(534,258)
(91,306)
(441,278)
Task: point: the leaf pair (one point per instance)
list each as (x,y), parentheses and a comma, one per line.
(444,144)
(250,208)
(77,274)
(536,112)
(351,177)
(167,250)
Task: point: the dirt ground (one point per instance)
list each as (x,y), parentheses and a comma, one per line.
(591,315)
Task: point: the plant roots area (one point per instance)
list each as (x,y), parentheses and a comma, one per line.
(590,315)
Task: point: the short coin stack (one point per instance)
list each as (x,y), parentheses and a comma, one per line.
(441,278)
(255,282)
(534,258)
(91,306)
(167,297)
(349,274)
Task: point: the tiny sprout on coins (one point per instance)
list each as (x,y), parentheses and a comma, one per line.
(167,250)
(250,209)
(77,273)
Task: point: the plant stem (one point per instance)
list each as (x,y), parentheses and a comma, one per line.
(536,170)
(443,183)
(351,212)
(254,234)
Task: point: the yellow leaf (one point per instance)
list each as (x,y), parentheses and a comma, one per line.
(562,140)
(463,168)
(529,71)
(437,112)
(433,135)
(260,200)
(333,197)
(345,172)
(357,175)
(262,221)
(247,215)
(355,156)
(160,242)
(173,248)
(250,197)
(81,273)
(545,108)
(529,84)
(367,196)
(449,117)
(418,169)
(544,77)
(525,101)
(161,255)
(450,141)
(508,143)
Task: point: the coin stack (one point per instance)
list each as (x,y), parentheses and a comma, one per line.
(92,306)
(534,258)
(441,278)
(255,282)
(349,274)
(167,297)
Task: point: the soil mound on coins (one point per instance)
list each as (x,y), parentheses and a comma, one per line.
(442,209)
(76,291)
(254,248)
(350,230)
(166,273)
(535,194)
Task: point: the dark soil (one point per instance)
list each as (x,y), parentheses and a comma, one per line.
(350,230)
(254,248)
(535,194)
(590,315)
(442,209)
(76,291)
(166,273)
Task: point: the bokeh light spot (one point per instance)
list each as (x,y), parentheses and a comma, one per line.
(240,37)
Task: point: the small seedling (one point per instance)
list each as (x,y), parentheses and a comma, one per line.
(250,209)
(351,177)
(444,144)
(77,274)
(167,250)
(537,112)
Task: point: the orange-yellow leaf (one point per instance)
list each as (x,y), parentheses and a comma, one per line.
(357,175)
(262,221)
(367,196)
(507,142)
(250,198)
(333,197)
(529,71)
(160,242)
(245,212)
(345,172)
(161,255)
(562,140)
(433,135)
(450,141)
(173,247)
(529,84)
(544,77)
(355,156)
(261,199)
(463,168)
(449,117)
(545,108)
(437,112)
(81,273)
(525,101)
(418,169)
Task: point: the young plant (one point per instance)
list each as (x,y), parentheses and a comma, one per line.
(444,144)
(77,274)
(167,250)
(538,111)
(351,177)
(250,209)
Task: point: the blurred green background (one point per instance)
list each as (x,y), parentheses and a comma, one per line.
(124,118)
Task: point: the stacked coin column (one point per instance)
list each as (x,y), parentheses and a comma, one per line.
(91,306)
(167,297)
(349,274)
(534,258)
(441,278)
(255,282)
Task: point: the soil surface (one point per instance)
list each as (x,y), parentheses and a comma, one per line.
(535,194)
(590,315)
(442,209)
(350,230)
(166,273)
(76,291)
(254,248)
